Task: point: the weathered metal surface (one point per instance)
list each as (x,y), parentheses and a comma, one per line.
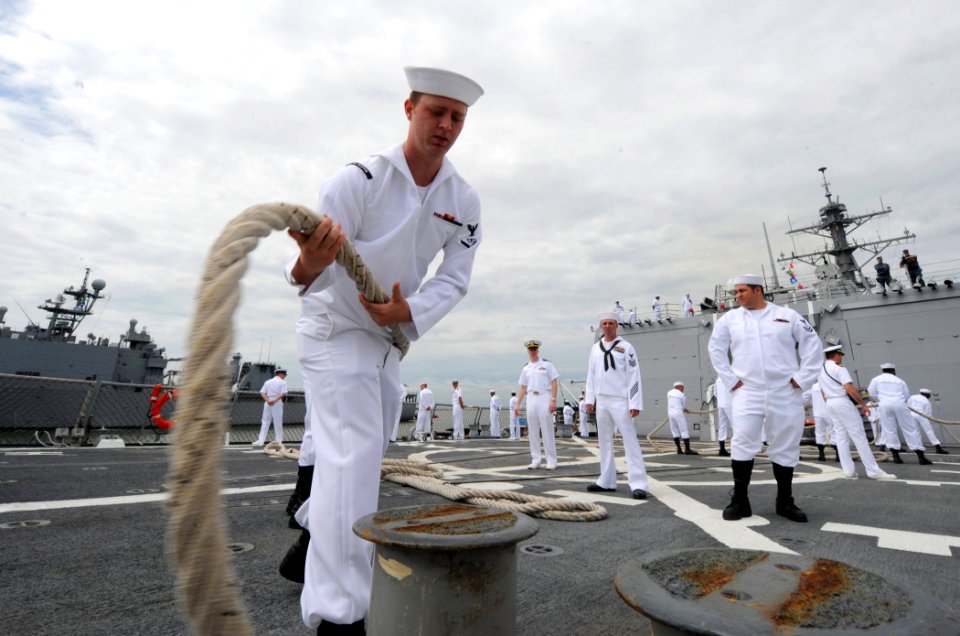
(721,591)
(444,569)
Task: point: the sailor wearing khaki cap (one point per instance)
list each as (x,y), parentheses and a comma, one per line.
(400,208)
(538,382)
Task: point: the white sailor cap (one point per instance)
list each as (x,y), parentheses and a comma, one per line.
(746,279)
(676,384)
(437,81)
(830,350)
(492,391)
(887,366)
(280,370)
(607,315)
(926,391)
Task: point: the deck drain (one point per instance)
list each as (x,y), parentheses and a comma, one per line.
(29,523)
(790,541)
(541,550)
(237,548)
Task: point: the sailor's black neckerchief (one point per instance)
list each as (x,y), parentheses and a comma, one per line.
(608,362)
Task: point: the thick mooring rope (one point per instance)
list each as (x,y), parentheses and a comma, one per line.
(946,423)
(424,477)
(207,585)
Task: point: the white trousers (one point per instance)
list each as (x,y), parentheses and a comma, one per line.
(354,377)
(584,425)
(308,455)
(494,423)
(774,413)
(424,423)
(895,416)
(847,427)
(272,412)
(540,422)
(678,426)
(514,426)
(824,426)
(724,417)
(613,414)
(924,425)
(457,423)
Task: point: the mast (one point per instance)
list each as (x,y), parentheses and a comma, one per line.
(773,267)
(64,320)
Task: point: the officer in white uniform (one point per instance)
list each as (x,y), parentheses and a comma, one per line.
(676,407)
(614,391)
(687,306)
(823,425)
(892,394)
(584,420)
(456,399)
(538,382)
(767,383)
(400,208)
(425,405)
(921,402)
(724,416)
(618,310)
(495,405)
(514,418)
(273,392)
(835,387)
(567,417)
(655,305)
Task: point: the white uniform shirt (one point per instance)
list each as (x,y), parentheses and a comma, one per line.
(567,415)
(655,305)
(618,309)
(631,317)
(687,304)
(537,376)
(724,397)
(495,404)
(676,401)
(583,409)
(833,377)
(274,388)
(513,403)
(764,347)
(426,400)
(455,399)
(819,406)
(398,237)
(920,402)
(887,387)
(619,380)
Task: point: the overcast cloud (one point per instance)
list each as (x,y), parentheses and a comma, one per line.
(622,150)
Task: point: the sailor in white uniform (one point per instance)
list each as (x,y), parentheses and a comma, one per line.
(425,406)
(631,317)
(676,408)
(892,394)
(618,310)
(538,382)
(921,402)
(767,383)
(655,305)
(584,420)
(835,387)
(272,392)
(724,415)
(496,404)
(567,417)
(456,399)
(823,424)
(687,306)
(614,391)
(400,208)
(514,418)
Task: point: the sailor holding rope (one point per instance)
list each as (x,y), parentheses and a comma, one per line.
(399,208)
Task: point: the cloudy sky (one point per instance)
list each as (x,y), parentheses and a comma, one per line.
(622,150)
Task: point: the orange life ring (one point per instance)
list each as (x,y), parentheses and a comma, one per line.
(159,397)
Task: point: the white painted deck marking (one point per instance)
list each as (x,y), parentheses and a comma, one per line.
(937,470)
(28,506)
(920,542)
(21,453)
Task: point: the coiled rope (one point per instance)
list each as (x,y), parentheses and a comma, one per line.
(208,587)
(423,476)
(277,449)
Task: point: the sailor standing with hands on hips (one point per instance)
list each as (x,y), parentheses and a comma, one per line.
(538,382)
(767,383)
(400,208)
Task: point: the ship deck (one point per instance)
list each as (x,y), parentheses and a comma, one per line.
(94,561)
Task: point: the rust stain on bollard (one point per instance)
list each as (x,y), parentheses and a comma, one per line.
(818,583)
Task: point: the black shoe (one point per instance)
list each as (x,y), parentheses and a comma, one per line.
(690,451)
(723,452)
(738,509)
(679,451)
(786,508)
(923,459)
(295,561)
(334,629)
(596,488)
(882,447)
(639,494)
(821,457)
(940,450)
(896,456)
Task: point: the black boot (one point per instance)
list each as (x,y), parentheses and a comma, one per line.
(295,561)
(923,459)
(896,456)
(836,453)
(785,506)
(302,490)
(821,457)
(739,507)
(688,451)
(940,450)
(335,629)
(676,440)
(723,450)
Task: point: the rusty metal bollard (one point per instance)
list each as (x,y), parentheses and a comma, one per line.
(730,592)
(444,569)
